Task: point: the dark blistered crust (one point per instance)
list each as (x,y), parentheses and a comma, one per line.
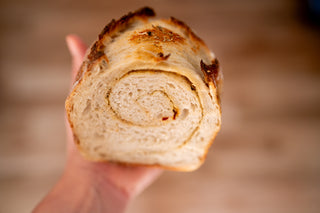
(114,26)
(124,20)
(97,50)
(210,72)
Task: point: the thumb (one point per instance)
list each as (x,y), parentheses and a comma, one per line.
(77,49)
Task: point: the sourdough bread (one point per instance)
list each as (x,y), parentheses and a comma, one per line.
(147,94)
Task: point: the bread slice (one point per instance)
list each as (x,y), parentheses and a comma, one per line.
(147,94)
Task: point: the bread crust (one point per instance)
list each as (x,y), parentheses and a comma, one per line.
(211,73)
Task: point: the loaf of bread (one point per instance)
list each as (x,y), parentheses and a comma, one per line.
(146,94)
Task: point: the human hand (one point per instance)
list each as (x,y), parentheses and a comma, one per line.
(93,186)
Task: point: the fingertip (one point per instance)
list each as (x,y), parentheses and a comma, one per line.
(76,46)
(69,38)
(71,44)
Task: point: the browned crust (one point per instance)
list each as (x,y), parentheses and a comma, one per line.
(187,30)
(153,38)
(210,72)
(157,34)
(79,74)
(114,26)
(123,22)
(97,49)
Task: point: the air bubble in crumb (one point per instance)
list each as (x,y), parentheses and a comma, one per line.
(87,108)
(184,113)
(171,85)
(96,148)
(193,106)
(102,155)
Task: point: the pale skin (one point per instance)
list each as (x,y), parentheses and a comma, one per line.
(89,186)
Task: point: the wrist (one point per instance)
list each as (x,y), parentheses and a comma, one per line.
(80,191)
(125,180)
(94,178)
(95,189)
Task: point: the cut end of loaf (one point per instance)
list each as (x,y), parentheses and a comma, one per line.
(147,95)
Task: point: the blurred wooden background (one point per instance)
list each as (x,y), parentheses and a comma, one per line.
(266,157)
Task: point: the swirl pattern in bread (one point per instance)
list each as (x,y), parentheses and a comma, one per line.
(147,94)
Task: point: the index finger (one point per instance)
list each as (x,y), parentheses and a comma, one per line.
(77,49)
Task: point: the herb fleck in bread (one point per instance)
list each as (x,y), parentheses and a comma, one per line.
(147,94)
